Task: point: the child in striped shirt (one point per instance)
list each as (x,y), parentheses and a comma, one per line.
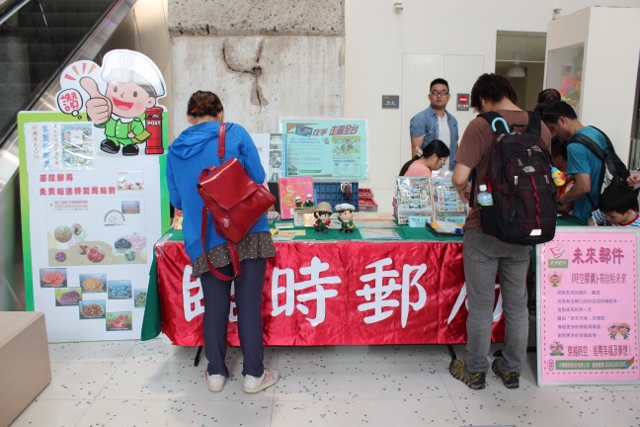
(618,206)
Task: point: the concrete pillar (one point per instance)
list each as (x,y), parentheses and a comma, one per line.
(264,59)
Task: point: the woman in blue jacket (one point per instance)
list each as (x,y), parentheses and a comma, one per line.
(194,150)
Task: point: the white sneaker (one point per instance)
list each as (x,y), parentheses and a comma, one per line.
(255,384)
(214,382)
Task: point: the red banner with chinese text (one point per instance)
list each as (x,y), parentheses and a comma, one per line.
(337,293)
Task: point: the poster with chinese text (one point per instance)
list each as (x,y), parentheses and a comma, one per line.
(588,307)
(327,150)
(269,147)
(94,198)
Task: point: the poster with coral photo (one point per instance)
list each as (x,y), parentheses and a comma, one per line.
(94,197)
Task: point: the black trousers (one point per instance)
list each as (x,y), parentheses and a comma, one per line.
(248,299)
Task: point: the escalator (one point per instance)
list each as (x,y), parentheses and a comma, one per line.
(38,39)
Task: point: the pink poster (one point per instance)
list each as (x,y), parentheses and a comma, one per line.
(588,308)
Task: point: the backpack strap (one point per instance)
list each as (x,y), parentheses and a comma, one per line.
(233,249)
(590,144)
(496,121)
(472,196)
(596,150)
(234,256)
(606,138)
(499,126)
(535,123)
(221,141)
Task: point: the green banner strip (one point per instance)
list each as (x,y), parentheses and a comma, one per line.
(592,365)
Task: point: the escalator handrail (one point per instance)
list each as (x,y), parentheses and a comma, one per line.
(10,9)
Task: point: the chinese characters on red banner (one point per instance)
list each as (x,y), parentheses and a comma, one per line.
(337,293)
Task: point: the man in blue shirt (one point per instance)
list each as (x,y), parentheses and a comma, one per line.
(435,122)
(561,119)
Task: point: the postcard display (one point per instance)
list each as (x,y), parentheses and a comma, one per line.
(432,197)
(94,198)
(588,306)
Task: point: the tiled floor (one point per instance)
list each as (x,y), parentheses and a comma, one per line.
(151,383)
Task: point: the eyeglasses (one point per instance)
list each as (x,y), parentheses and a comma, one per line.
(442,93)
(443,160)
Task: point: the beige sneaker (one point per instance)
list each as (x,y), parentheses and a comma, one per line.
(255,384)
(214,382)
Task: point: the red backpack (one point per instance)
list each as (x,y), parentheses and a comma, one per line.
(518,177)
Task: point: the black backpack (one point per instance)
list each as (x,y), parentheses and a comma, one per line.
(518,176)
(613,170)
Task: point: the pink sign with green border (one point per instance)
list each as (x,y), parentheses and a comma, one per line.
(588,308)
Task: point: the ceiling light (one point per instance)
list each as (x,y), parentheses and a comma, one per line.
(516,72)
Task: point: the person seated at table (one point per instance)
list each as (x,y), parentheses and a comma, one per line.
(194,150)
(434,155)
(618,206)
(559,160)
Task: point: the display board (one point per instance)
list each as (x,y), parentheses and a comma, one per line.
(325,149)
(588,306)
(94,199)
(269,147)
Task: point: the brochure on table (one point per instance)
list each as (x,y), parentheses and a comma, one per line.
(94,197)
(325,149)
(587,305)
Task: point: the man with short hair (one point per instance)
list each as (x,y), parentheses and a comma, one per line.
(585,166)
(484,255)
(435,122)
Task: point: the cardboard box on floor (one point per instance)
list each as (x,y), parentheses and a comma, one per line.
(25,369)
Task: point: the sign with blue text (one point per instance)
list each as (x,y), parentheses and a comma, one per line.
(326,149)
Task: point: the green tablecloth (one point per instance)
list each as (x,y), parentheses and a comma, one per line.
(152,320)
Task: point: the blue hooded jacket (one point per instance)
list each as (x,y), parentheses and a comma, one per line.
(194,150)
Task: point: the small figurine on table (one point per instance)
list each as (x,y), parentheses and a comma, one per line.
(309,202)
(322,213)
(298,202)
(345,215)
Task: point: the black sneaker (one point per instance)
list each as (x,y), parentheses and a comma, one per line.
(130,150)
(459,371)
(509,379)
(108,146)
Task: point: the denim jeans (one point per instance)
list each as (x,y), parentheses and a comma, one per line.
(485,255)
(217,302)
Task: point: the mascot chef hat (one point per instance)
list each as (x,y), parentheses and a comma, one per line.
(127,66)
